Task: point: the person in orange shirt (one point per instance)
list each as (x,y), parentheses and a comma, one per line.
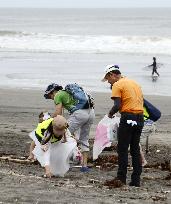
(128,100)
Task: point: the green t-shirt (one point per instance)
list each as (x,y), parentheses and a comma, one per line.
(65,98)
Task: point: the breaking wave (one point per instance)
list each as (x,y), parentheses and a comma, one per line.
(44,42)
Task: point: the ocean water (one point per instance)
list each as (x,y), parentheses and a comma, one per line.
(40,46)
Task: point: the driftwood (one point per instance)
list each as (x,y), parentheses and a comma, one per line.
(88,186)
(79,166)
(16,160)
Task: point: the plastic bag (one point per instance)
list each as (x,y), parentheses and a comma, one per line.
(60,155)
(106,133)
(57,156)
(76,156)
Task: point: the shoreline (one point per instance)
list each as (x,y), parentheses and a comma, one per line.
(22,107)
(34,99)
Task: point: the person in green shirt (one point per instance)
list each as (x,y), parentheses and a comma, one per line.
(80,120)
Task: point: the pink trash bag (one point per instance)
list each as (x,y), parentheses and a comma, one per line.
(106,133)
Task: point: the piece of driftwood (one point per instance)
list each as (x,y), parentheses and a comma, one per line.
(79,166)
(16,160)
(88,186)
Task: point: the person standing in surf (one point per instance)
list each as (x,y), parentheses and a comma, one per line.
(154,65)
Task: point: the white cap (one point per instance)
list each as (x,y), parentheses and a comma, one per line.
(46,115)
(109,68)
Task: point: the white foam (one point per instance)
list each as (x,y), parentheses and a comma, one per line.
(39,42)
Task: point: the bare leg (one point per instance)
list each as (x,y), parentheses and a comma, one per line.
(157,73)
(48,174)
(144,161)
(32,146)
(84,161)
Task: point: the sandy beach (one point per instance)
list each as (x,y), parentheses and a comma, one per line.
(23,183)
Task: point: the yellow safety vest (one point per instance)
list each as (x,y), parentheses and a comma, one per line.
(42,128)
(146,115)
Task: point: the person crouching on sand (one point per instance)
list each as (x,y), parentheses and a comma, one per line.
(42,117)
(54,144)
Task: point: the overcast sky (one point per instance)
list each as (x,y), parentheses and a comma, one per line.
(85,3)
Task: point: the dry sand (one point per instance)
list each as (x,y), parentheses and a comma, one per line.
(22,183)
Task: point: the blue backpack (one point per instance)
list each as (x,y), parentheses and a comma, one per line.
(154,113)
(83,99)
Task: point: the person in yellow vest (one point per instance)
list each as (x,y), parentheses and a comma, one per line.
(146,120)
(54,144)
(52,129)
(44,115)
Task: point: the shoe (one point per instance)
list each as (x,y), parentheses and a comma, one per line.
(84,169)
(134,184)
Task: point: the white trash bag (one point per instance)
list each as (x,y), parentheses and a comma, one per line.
(57,154)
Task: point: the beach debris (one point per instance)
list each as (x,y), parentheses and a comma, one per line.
(107,158)
(148,177)
(168,177)
(79,166)
(67,183)
(157,150)
(21,160)
(88,186)
(166,192)
(159,198)
(114,183)
(107,162)
(19,175)
(129,168)
(94,181)
(24,130)
(164,166)
(113,147)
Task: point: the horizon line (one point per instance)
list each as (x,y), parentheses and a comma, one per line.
(21,7)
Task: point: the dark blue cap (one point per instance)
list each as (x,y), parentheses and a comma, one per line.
(52,87)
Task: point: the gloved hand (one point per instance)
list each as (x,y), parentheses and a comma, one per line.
(111,115)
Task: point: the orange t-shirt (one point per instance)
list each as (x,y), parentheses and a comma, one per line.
(131,95)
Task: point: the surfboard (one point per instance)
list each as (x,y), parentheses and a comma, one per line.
(147,68)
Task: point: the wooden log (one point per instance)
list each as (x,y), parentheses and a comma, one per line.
(16,160)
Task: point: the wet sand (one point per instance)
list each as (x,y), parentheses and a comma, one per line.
(22,183)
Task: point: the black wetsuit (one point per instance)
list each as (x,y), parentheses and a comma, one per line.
(154,65)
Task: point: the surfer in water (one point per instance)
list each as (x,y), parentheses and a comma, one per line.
(154,66)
